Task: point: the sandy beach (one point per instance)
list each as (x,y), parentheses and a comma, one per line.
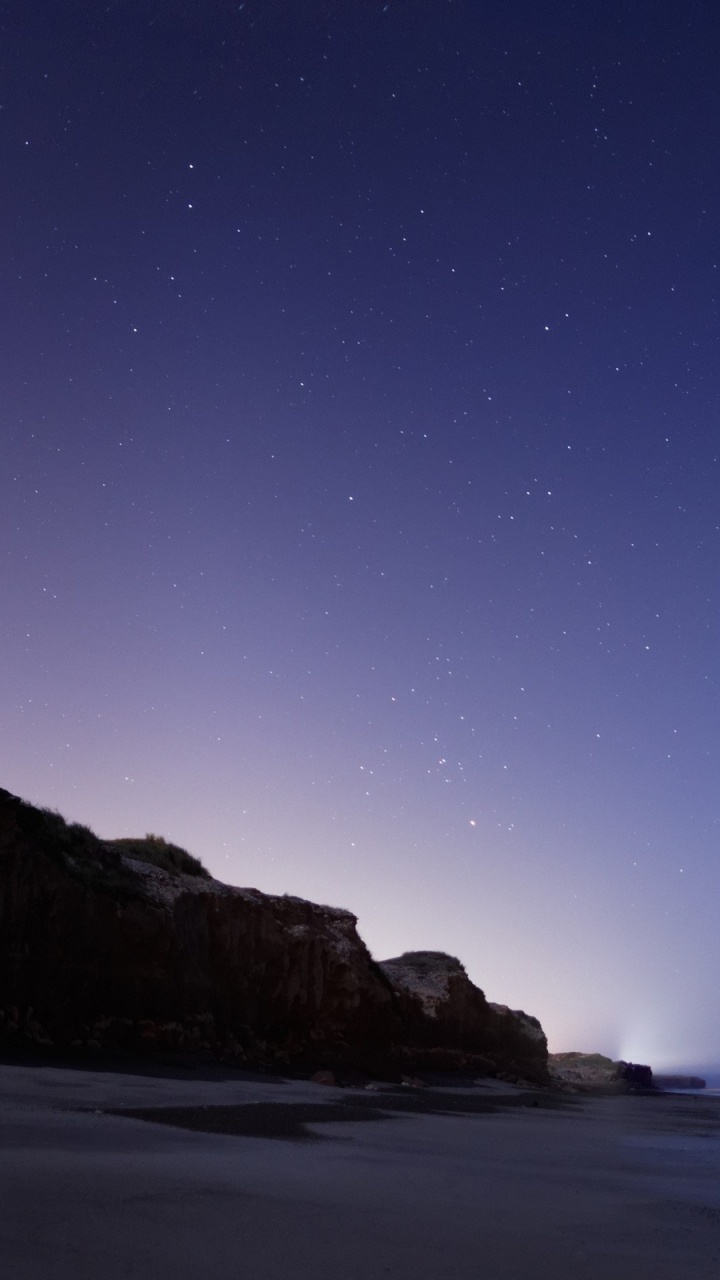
(294,1179)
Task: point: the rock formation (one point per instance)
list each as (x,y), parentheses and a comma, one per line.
(127,944)
(678,1082)
(443,1010)
(593,1072)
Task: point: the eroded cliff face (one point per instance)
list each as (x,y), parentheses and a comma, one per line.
(448,1018)
(100,948)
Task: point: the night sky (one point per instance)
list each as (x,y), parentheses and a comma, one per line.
(359,487)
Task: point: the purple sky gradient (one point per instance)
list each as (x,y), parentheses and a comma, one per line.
(359,499)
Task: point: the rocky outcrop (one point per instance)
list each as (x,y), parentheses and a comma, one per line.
(678,1082)
(442,1007)
(593,1072)
(100,948)
(110,944)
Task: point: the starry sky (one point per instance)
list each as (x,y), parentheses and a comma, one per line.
(359,489)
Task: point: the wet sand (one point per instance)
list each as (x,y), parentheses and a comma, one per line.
(107,1174)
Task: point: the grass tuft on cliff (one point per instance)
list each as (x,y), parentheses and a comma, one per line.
(161,853)
(72,846)
(94,862)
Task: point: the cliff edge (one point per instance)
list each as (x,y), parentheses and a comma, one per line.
(442,1007)
(132,944)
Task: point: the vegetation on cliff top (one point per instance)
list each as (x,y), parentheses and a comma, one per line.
(98,863)
(161,853)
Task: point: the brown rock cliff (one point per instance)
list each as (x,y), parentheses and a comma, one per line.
(442,1007)
(98,947)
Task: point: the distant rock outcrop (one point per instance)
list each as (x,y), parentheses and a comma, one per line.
(678,1082)
(593,1071)
(127,944)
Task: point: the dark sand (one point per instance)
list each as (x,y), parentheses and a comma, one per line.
(106,1175)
